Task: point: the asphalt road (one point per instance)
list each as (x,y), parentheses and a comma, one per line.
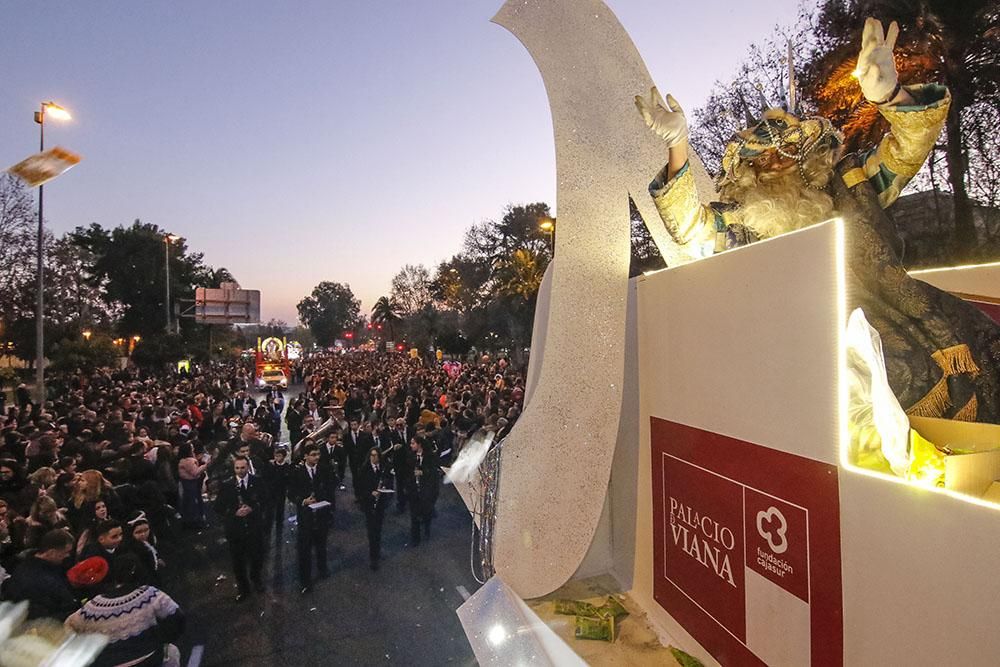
(404,614)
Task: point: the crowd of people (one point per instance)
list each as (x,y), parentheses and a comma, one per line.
(101,479)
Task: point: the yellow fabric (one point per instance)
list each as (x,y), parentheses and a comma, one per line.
(905,147)
(926,461)
(682,212)
(855,176)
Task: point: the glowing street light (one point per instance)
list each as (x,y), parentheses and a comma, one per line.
(87,333)
(59,113)
(548,225)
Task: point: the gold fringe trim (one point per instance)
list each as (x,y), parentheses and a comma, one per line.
(956,360)
(968,413)
(934,403)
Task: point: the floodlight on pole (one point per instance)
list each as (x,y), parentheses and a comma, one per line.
(59,113)
(548,225)
(167,240)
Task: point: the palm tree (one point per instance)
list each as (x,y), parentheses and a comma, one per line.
(520,274)
(385,311)
(944,41)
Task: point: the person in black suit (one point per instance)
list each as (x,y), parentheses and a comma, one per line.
(422,485)
(294,419)
(279,472)
(333,454)
(239,503)
(445,443)
(357,443)
(311,483)
(373,476)
(400,460)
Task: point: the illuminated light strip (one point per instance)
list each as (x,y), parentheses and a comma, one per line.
(842,386)
(840,282)
(961,267)
(755,244)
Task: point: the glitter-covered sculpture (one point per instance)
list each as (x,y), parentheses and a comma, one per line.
(783,173)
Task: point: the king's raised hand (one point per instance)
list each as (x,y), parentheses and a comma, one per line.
(876,71)
(666,119)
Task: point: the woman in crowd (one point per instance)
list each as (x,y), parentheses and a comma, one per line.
(42,478)
(91,487)
(139,540)
(45,516)
(91,516)
(62,490)
(15,487)
(12,529)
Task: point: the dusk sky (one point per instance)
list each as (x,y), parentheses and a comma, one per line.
(299,142)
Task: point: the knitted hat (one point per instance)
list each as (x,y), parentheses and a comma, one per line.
(88,572)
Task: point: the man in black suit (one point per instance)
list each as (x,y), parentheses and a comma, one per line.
(400,459)
(333,454)
(422,481)
(312,483)
(239,503)
(357,443)
(445,443)
(372,477)
(293,419)
(279,472)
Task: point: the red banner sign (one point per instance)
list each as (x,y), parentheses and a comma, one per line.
(747,548)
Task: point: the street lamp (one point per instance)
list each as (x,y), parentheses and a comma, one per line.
(167,240)
(548,225)
(58,113)
(87,334)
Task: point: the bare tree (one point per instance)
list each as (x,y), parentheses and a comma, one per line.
(17,243)
(411,289)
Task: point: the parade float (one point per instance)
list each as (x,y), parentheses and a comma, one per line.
(272,362)
(736,463)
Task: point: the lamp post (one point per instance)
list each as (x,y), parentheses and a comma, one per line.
(167,240)
(87,333)
(59,113)
(548,225)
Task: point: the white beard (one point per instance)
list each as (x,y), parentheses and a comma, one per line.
(782,205)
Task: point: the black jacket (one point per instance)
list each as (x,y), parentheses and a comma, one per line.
(424,488)
(322,487)
(368,481)
(44,586)
(357,449)
(231,497)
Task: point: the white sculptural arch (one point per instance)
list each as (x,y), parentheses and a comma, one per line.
(557,460)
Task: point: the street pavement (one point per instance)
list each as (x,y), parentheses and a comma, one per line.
(404,614)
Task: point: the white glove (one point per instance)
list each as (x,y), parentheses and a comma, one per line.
(668,123)
(876,70)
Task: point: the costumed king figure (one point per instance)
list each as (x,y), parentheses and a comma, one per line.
(784,173)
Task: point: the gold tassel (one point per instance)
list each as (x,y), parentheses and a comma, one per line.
(934,403)
(955,360)
(968,413)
